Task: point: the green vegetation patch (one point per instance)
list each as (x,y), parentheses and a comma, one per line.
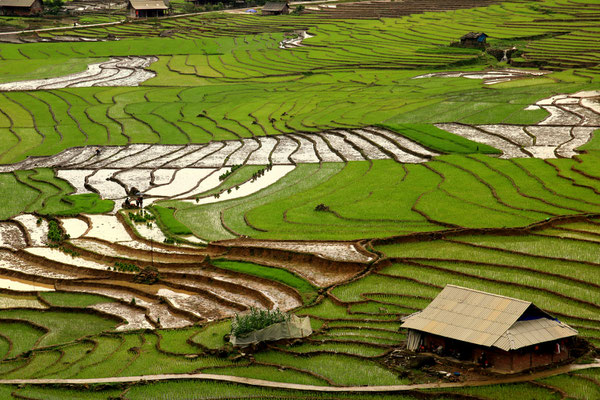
(70,299)
(271,273)
(166,219)
(439,140)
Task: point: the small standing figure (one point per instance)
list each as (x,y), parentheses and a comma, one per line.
(140,202)
(127,202)
(97,152)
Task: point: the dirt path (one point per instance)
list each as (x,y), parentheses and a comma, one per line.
(280,385)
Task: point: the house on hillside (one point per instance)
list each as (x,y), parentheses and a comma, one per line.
(473,39)
(273,8)
(146,8)
(506,334)
(21,8)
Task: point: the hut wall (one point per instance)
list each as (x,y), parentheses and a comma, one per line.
(520,362)
(36,8)
(500,360)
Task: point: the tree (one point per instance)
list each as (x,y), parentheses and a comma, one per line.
(53,6)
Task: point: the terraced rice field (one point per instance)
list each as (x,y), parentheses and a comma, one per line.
(343,168)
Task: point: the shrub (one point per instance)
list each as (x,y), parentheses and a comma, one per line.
(124,267)
(55,233)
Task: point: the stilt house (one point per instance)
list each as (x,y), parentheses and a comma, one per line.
(273,8)
(146,8)
(21,8)
(509,335)
(474,39)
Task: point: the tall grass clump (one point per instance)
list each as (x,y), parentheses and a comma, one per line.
(255,320)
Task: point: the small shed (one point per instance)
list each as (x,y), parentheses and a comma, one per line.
(475,39)
(146,8)
(507,334)
(21,8)
(274,8)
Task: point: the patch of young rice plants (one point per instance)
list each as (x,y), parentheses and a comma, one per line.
(176,390)
(115,358)
(88,203)
(439,140)
(39,362)
(60,393)
(575,250)
(19,301)
(383,284)
(341,369)
(212,335)
(270,273)
(269,373)
(176,340)
(577,387)
(525,391)
(63,326)
(374,335)
(150,361)
(4,347)
(22,335)
(345,348)
(551,302)
(73,299)
(71,354)
(167,221)
(378,308)
(10,191)
(105,347)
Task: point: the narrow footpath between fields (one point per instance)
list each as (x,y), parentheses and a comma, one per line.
(281,385)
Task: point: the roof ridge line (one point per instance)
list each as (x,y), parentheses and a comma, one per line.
(488,294)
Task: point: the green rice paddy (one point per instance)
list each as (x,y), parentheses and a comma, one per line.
(526,228)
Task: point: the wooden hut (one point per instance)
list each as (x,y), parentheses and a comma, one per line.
(506,334)
(146,8)
(273,8)
(21,7)
(473,39)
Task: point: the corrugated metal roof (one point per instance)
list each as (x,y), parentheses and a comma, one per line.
(274,6)
(148,5)
(468,315)
(16,3)
(528,333)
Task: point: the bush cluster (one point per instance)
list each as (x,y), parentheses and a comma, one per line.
(55,233)
(125,267)
(255,320)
